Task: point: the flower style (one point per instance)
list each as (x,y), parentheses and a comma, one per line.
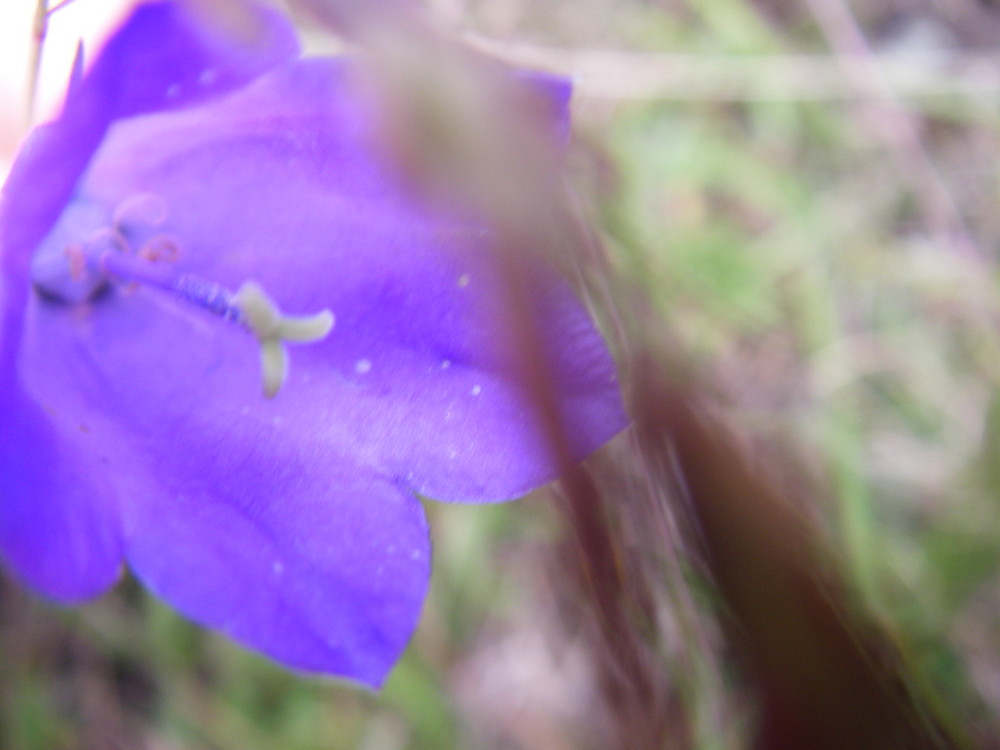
(202,208)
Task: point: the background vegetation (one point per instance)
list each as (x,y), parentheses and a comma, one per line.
(797,208)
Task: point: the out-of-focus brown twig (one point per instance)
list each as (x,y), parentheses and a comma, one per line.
(613,603)
(826,673)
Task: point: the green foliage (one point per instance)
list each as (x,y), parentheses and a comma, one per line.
(794,251)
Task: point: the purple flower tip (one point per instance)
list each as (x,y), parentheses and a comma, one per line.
(204,226)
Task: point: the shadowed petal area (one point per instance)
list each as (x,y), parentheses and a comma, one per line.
(323,571)
(59,523)
(278,184)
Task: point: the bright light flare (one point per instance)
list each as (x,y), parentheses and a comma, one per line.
(87,20)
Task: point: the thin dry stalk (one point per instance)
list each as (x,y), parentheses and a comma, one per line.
(897,130)
(826,673)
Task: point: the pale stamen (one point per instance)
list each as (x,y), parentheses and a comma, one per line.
(273,329)
(250,306)
(72,271)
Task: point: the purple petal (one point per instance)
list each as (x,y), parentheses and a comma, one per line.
(241,512)
(322,570)
(58,529)
(277,184)
(557,91)
(59,526)
(163,57)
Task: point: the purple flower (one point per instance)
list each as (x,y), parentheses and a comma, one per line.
(188,228)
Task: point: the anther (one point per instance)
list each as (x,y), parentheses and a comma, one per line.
(77,261)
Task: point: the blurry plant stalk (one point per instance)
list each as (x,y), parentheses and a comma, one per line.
(826,673)
(39,28)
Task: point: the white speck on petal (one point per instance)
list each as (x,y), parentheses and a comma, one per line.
(208,76)
(173,90)
(476,390)
(445,364)
(463,281)
(277,567)
(362,366)
(452,454)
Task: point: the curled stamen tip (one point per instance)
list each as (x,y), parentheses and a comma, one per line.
(147,208)
(162,247)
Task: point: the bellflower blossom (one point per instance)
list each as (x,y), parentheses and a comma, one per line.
(208,213)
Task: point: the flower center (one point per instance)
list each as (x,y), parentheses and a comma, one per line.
(89,249)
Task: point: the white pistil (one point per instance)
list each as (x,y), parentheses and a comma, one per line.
(272,329)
